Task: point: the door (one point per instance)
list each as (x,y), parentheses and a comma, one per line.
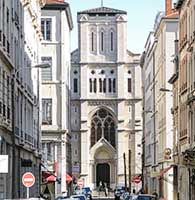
(103,174)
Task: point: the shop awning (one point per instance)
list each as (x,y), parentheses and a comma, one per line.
(49,177)
(164,171)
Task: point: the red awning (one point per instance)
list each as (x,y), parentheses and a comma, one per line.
(164,171)
(49,177)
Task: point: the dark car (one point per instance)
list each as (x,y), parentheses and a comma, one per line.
(146,197)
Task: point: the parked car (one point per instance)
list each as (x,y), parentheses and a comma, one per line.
(78,197)
(119,190)
(87,192)
(62,198)
(146,197)
(130,197)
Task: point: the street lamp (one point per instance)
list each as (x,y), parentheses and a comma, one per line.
(13,80)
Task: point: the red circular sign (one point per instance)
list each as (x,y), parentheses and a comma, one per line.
(136,179)
(80,182)
(28,179)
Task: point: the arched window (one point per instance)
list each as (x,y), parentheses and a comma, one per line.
(111,41)
(102,41)
(114,85)
(100,85)
(92,41)
(90,85)
(104,85)
(94,85)
(103,125)
(109,85)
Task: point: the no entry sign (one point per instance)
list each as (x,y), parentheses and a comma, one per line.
(28,179)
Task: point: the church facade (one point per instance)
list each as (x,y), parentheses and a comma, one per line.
(105,107)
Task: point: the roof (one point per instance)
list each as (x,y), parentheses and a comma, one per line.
(55,2)
(103,10)
(60,5)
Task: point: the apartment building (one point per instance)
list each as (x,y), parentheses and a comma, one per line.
(159,52)
(56,24)
(149,137)
(19,125)
(186,128)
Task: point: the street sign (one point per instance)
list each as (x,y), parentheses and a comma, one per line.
(80,182)
(136,179)
(28,179)
(3,163)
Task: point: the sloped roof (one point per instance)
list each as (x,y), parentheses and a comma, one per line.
(55,2)
(102,10)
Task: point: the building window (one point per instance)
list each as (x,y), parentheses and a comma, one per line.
(129,84)
(114,85)
(75,80)
(100,85)
(109,85)
(46,111)
(95,85)
(46,28)
(102,125)
(102,41)
(46,73)
(111,41)
(90,85)
(92,41)
(104,86)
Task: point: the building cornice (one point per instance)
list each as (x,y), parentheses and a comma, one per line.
(27,4)
(61,6)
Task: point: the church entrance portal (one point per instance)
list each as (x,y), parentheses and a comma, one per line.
(103,174)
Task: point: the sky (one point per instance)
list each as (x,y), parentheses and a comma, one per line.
(141,15)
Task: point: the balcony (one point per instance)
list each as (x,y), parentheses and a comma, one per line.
(191,97)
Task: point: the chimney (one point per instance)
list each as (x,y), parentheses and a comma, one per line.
(168,7)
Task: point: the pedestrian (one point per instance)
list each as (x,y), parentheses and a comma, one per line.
(106,190)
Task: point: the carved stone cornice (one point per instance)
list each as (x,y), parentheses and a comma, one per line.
(102,102)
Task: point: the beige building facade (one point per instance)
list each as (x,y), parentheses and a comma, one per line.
(20,36)
(105,100)
(186,152)
(56,24)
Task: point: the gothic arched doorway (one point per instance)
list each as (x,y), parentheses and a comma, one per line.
(103,174)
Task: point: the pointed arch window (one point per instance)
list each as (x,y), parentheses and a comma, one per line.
(103,126)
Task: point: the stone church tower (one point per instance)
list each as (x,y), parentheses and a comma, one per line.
(105,99)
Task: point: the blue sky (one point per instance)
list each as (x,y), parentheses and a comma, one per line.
(141,16)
